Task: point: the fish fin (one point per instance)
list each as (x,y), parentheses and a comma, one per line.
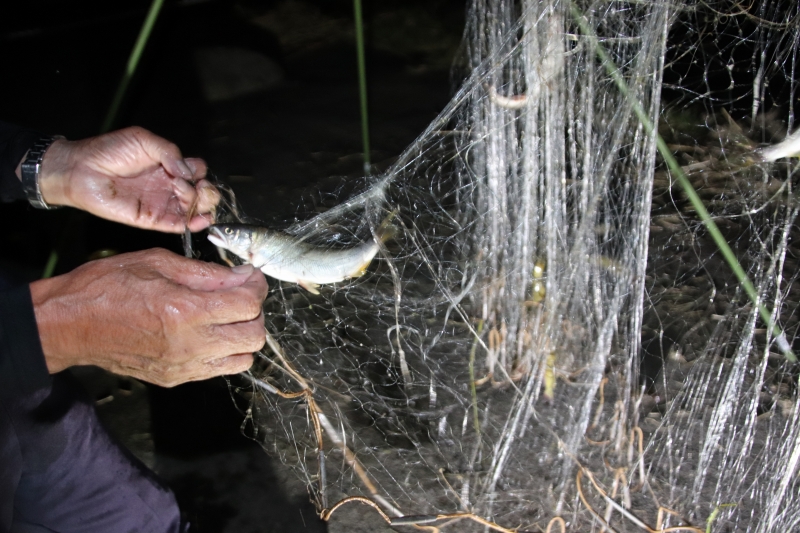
(224,256)
(361,270)
(309,286)
(386,230)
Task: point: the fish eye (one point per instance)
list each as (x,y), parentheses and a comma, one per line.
(228,231)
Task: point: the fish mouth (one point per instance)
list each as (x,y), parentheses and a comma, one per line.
(216,236)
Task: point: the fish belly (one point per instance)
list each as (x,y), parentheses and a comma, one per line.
(320,266)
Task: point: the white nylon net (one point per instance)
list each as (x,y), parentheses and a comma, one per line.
(552,332)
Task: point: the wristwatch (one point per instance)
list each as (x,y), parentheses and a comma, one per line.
(30,172)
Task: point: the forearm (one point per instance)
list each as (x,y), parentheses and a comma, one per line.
(60,325)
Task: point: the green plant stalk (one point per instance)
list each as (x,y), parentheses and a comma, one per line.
(475,419)
(50,267)
(133,61)
(684,182)
(714,513)
(130,69)
(362,83)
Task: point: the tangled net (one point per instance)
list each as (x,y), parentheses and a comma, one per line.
(552,339)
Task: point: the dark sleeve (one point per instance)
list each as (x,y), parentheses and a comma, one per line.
(14,142)
(22,365)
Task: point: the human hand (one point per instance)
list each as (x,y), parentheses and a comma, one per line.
(153,315)
(130,176)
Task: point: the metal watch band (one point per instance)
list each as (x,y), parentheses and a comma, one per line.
(30,172)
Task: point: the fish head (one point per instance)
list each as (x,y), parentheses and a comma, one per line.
(236,238)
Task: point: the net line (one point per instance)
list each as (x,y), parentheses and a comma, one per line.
(551,337)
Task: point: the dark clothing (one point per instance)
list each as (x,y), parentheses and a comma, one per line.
(22,366)
(14,142)
(70,475)
(60,471)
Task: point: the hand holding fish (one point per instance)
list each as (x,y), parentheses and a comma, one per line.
(130,176)
(153,315)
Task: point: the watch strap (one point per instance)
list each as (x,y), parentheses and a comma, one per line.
(31,169)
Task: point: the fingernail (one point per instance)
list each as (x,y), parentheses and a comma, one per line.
(247,268)
(184,168)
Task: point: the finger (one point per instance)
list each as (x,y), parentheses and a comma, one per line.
(239,337)
(161,150)
(223,366)
(233,364)
(200,222)
(198,199)
(205,210)
(202,365)
(186,194)
(193,274)
(237,304)
(198,167)
(208,196)
(222,278)
(197,371)
(217,294)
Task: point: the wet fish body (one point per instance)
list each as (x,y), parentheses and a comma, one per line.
(283,257)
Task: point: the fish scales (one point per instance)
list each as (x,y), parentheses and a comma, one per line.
(278,255)
(285,258)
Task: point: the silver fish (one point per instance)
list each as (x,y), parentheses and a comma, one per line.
(789,147)
(283,257)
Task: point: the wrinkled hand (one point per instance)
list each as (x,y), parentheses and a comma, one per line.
(153,315)
(130,176)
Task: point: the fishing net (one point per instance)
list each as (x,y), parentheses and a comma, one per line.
(551,338)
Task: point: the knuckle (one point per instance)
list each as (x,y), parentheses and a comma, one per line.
(156,258)
(254,309)
(178,310)
(235,363)
(162,255)
(136,130)
(250,306)
(171,383)
(257,341)
(246,337)
(244,363)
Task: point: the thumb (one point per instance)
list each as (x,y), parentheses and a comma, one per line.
(221,278)
(202,276)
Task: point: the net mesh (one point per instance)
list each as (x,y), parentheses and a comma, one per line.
(551,337)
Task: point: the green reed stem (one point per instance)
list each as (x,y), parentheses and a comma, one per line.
(111,116)
(50,267)
(715,513)
(473,390)
(133,61)
(684,182)
(362,83)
